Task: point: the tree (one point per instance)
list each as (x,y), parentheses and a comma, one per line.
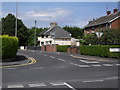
(8,27)
(110,37)
(90,39)
(76,32)
(31,33)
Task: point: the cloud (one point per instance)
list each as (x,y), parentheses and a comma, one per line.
(45,15)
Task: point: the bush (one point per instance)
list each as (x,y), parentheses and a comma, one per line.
(110,37)
(9,46)
(62,48)
(90,39)
(99,50)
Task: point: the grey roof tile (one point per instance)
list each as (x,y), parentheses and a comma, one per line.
(59,32)
(103,19)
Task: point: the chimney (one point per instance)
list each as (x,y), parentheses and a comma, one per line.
(108,12)
(53,24)
(115,10)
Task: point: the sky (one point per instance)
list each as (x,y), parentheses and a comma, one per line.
(64,13)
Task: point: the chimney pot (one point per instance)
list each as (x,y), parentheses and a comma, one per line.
(53,24)
(115,10)
(108,12)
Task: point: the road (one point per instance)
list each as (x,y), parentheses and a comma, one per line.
(60,70)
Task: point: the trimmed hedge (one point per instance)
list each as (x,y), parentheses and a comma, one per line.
(62,48)
(9,46)
(100,50)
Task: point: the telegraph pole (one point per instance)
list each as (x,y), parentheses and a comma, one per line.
(16,18)
(35,35)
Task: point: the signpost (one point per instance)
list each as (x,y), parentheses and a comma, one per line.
(114,49)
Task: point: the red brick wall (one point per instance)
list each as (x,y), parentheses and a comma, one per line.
(49,48)
(115,24)
(69,50)
(43,48)
(74,50)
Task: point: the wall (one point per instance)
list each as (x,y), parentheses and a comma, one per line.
(115,24)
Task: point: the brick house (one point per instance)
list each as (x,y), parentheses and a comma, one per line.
(111,21)
(56,35)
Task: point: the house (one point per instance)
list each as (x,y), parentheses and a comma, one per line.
(56,35)
(111,21)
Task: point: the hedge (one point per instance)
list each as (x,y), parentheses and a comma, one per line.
(62,48)
(9,46)
(99,50)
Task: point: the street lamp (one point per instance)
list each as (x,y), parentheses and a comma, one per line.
(35,35)
(16,18)
(52,34)
(99,34)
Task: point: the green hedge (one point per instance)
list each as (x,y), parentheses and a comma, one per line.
(9,46)
(99,50)
(62,48)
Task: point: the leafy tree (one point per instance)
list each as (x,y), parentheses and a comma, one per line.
(31,32)
(75,31)
(110,37)
(8,27)
(90,39)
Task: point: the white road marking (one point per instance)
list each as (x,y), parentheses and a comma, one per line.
(110,78)
(45,55)
(69,86)
(96,65)
(89,61)
(80,65)
(58,53)
(32,51)
(61,59)
(37,85)
(93,81)
(108,65)
(52,57)
(117,64)
(15,86)
(37,68)
(57,83)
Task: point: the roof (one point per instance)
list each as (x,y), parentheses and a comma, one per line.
(104,19)
(59,32)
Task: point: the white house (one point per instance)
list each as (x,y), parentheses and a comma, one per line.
(56,35)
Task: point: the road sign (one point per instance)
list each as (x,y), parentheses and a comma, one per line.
(114,49)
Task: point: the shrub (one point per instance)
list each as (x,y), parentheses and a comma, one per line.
(100,50)
(9,46)
(90,39)
(62,48)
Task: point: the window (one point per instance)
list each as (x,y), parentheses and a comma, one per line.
(42,36)
(42,43)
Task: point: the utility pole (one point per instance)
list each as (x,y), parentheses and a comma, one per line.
(16,18)
(35,35)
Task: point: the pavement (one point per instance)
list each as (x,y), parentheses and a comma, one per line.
(19,59)
(62,70)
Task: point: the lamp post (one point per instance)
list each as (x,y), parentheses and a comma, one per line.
(16,18)
(52,34)
(35,35)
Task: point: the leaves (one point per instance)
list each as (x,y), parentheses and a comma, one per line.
(8,25)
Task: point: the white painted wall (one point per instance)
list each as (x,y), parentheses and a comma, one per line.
(60,41)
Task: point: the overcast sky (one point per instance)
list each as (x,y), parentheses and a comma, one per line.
(64,13)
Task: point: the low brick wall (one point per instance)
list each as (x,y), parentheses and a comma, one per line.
(74,50)
(49,48)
